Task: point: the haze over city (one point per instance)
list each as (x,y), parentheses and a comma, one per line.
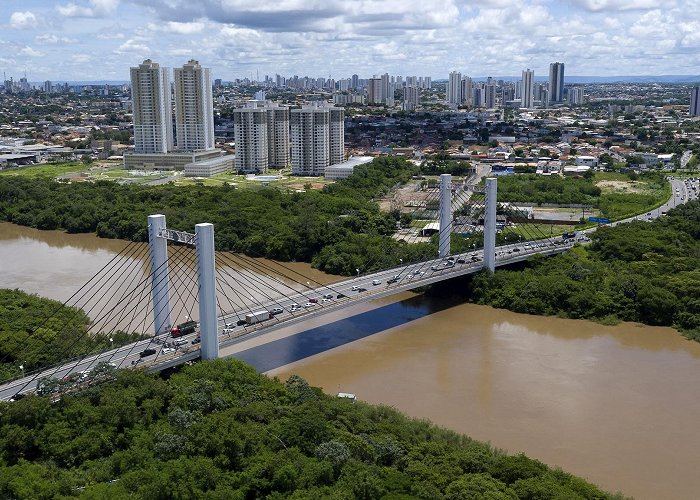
(100,39)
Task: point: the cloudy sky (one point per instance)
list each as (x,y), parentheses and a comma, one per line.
(100,39)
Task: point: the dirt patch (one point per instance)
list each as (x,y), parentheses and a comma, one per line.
(622,186)
(300,187)
(405,199)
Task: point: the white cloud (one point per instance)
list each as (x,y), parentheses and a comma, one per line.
(95,8)
(23,20)
(51,39)
(177,27)
(133,45)
(612,5)
(30,52)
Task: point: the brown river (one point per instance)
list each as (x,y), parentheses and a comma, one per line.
(617,405)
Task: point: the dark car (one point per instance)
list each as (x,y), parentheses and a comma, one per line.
(461,260)
(340,296)
(197,340)
(313,300)
(361,289)
(147,352)
(241,322)
(391,281)
(516,249)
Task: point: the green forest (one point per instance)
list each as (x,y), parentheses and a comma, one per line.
(533,188)
(220,430)
(37,332)
(642,271)
(338,229)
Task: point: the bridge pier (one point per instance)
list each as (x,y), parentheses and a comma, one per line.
(160,278)
(207,291)
(445,233)
(490,224)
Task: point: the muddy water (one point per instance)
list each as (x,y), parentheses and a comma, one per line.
(114,291)
(617,405)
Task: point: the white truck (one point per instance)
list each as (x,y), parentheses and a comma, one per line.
(258,317)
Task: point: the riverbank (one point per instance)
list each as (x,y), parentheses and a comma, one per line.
(646,272)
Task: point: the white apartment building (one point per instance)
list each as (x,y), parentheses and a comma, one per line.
(250,134)
(411,97)
(277,135)
(576,95)
(374,91)
(194,108)
(261,132)
(468,91)
(527,92)
(454,89)
(317,135)
(152,108)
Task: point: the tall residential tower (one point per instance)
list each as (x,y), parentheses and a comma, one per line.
(152,108)
(317,136)
(556,82)
(695,101)
(527,89)
(194,108)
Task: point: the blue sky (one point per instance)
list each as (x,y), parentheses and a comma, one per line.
(101,39)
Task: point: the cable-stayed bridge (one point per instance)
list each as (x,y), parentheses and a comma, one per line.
(186,301)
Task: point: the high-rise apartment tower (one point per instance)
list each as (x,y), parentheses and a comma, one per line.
(556,82)
(152,108)
(527,89)
(194,108)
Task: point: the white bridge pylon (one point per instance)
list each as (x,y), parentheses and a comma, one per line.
(446,220)
(203,240)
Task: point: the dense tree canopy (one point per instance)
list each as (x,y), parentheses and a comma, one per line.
(265,222)
(220,430)
(641,271)
(37,332)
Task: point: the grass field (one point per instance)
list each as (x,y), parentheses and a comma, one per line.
(48,169)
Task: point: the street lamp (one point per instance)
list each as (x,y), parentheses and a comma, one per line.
(21,367)
(358,272)
(111,342)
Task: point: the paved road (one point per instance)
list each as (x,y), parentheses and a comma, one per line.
(321,300)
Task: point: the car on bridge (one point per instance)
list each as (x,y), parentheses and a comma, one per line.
(376,282)
(276,310)
(340,296)
(361,289)
(147,352)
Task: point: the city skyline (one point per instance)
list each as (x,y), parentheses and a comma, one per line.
(100,39)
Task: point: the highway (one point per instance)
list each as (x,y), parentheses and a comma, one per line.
(314,302)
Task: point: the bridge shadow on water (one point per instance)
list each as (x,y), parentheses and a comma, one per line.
(317,340)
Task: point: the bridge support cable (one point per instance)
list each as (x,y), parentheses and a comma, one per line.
(160,280)
(272,273)
(184,299)
(207,291)
(94,301)
(445,232)
(236,307)
(144,308)
(490,224)
(249,280)
(94,328)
